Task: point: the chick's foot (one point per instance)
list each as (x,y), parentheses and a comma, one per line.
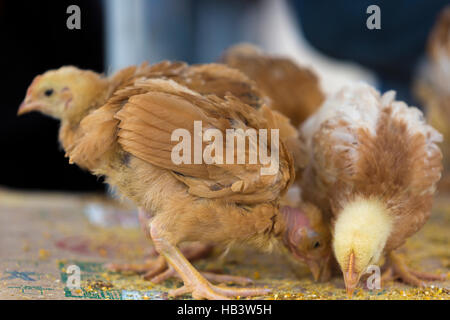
(210,276)
(148,269)
(156,270)
(194,282)
(398,270)
(206,290)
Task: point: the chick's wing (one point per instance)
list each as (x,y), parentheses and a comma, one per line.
(293,90)
(96,135)
(148,120)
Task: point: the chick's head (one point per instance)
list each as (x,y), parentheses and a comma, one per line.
(308,238)
(63,93)
(361,231)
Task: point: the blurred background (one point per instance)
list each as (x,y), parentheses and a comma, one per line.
(331,37)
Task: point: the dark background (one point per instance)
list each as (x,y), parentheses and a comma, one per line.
(34,38)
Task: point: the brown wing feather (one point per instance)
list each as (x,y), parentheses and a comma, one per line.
(290,137)
(96,134)
(221,80)
(146,106)
(150,118)
(139,136)
(293,90)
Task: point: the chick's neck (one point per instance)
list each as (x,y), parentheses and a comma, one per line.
(86,103)
(71,120)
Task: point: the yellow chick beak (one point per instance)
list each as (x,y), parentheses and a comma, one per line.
(351,277)
(320,269)
(315,269)
(26,107)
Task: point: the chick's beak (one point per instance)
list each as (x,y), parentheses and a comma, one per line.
(315,269)
(28,106)
(320,268)
(351,277)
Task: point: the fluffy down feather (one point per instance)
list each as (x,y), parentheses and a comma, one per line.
(373,168)
(362,143)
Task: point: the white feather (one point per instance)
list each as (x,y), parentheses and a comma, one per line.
(360,106)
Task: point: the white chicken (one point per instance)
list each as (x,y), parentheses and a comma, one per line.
(373,168)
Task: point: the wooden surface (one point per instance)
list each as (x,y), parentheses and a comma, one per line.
(42,234)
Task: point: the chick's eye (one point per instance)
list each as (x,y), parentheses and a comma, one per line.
(316,244)
(48,92)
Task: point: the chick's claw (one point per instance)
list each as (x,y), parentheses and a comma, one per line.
(399,270)
(148,267)
(195,282)
(210,276)
(225,278)
(169,273)
(160,267)
(156,270)
(139,268)
(428,276)
(213,292)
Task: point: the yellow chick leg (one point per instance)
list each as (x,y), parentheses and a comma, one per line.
(399,270)
(210,276)
(194,282)
(150,268)
(156,270)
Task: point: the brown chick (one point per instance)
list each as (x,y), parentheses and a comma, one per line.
(432,86)
(56,100)
(128,140)
(293,91)
(373,168)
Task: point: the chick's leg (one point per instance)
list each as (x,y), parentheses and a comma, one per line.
(397,269)
(213,277)
(156,270)
(194,282)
